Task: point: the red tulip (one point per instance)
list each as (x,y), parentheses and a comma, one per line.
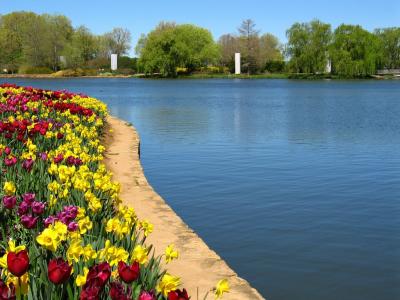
(99,274)
(7,292)
(128,273)
(178,295)
(90,292)
(58,271)
(18,263)
(117,292)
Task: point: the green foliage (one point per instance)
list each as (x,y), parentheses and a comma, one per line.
(354,51)
(126,62)
(389,42)
(275,66)
(307,46)
(34,70)
(29,39)
(170,46)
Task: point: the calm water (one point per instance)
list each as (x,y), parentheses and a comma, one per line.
(295,184)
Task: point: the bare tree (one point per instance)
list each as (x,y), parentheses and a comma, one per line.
(250,44)
(229,44)
(119,40)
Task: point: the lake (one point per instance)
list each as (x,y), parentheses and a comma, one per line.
(296,184)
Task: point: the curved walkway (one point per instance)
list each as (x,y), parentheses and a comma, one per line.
(199,267)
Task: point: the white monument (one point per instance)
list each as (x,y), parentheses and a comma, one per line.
(237,63)
(328,67)
(114,62)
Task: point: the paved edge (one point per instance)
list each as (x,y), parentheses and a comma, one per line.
(198,266)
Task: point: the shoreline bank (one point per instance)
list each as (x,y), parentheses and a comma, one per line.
(310,77)
(198,266)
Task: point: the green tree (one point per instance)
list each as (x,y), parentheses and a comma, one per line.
(308,45)
(170,46)
(82,49)
(389,39)
(354,51)
(12,40)
(270,52)
(60,33)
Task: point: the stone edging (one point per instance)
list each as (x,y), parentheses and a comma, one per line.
(198,266)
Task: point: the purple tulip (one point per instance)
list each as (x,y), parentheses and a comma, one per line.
(29,221)
(23,208)
(73,226)
(49,220)
(28,164)
(9,202)
(38,207)
(28,197)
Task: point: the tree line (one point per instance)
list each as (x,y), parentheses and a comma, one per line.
(31,42)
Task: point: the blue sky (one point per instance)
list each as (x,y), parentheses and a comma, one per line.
(219,16)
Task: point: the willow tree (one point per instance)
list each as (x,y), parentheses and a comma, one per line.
(308,45)
(170,46)
(354,51)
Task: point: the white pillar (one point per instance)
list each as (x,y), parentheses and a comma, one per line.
(237,63)
(114,62)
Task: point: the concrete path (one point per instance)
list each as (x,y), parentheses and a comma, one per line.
(199,267)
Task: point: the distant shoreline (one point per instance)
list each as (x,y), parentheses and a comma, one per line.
(207,76)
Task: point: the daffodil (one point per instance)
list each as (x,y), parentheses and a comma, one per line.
(221,288)
(9,188)
(139,254)
(170,253)
(81,279)
(168,283)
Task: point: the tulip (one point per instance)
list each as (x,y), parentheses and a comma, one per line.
(144,295)
(38,207)
(58,271)
(49,220)
(90,292)
(59,158)
(18,263)
(29,221)
(73,226)
(99,274)
(7,292)
(9,202)
(28,164)
(28,197)
(128,273)
(117,292)
(178,295)
(23,208)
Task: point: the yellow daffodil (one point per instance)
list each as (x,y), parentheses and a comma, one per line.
(168,283)
(221,288)
(9,188)
(170,253)
(81,279)
(139,254)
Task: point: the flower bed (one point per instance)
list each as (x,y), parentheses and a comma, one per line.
(64,232)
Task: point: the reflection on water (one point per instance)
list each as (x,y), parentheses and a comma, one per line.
(295,183)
